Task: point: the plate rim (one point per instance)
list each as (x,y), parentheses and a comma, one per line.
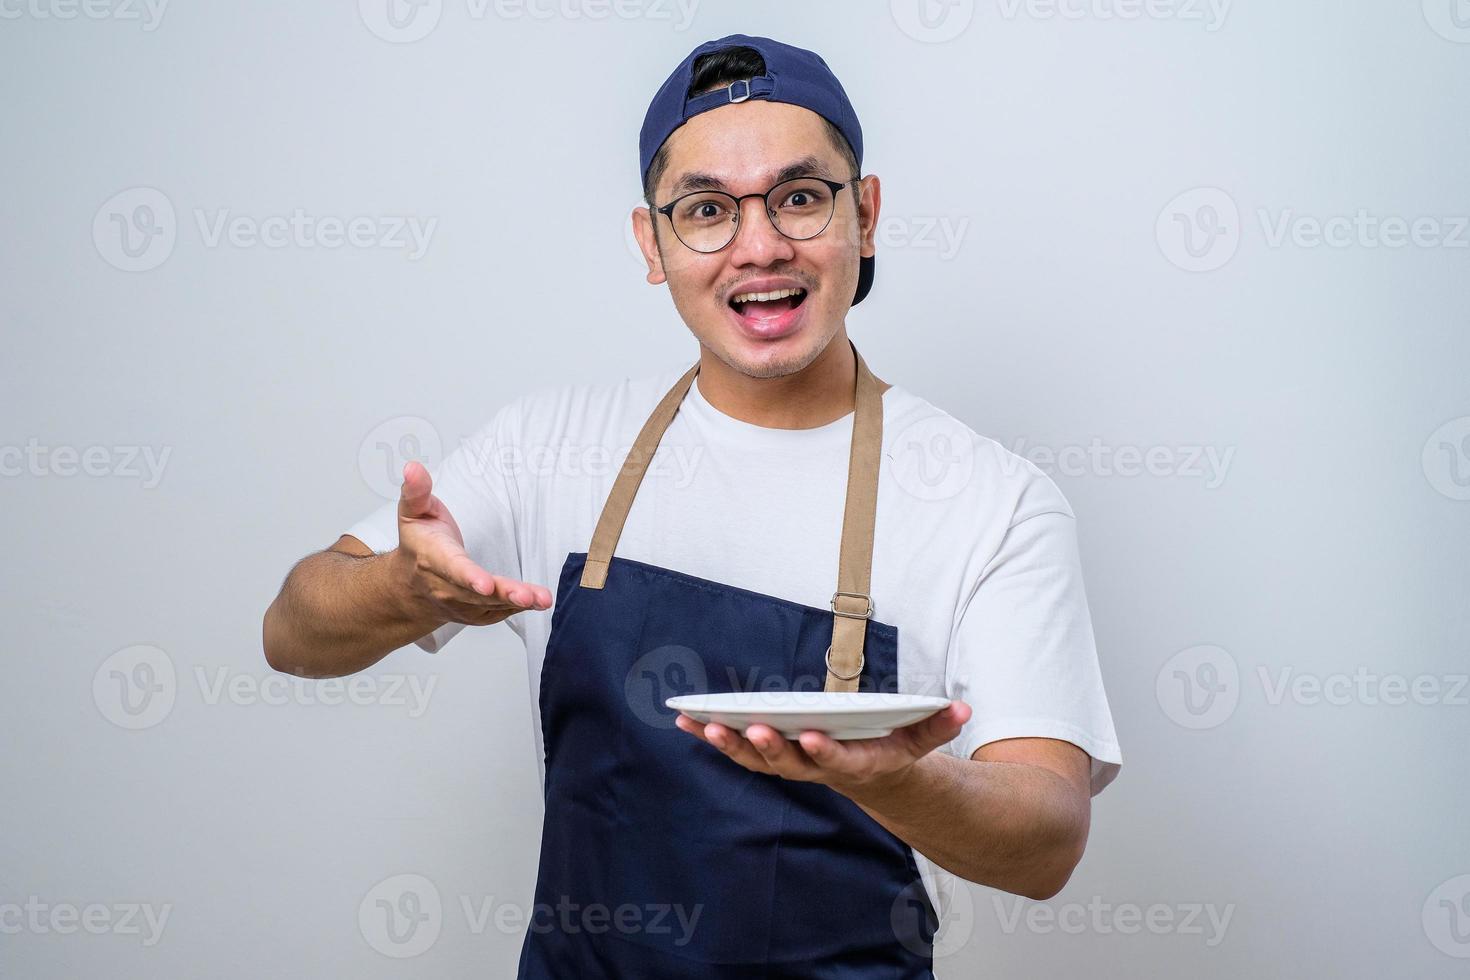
(936,704)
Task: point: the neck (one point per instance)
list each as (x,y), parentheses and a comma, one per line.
(819,393)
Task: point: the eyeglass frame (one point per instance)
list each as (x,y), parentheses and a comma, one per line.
(835,186)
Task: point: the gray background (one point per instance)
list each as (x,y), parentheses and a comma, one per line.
(1080,306)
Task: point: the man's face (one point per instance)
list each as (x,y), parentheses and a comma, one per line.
(746,146)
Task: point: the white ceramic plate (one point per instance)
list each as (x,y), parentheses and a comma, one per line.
(841,714)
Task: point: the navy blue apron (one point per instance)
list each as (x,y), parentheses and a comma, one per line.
(662,858)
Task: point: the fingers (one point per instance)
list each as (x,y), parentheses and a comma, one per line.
(460,570)
(817,757)
(486,587)
(727,740)
(761,749)
(522,593)
(487,591)
(414,495)
(478,615)
(784,757)
(438,554)
(455,575)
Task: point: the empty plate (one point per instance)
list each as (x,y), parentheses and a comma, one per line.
(842,715)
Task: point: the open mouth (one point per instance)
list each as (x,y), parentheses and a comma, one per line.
(767,306)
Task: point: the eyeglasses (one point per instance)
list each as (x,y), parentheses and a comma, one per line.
(707,221)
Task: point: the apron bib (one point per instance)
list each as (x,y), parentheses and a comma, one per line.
(662,858)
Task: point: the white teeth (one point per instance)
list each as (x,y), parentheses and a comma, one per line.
(766,297)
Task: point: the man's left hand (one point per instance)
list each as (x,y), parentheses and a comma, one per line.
(855,768)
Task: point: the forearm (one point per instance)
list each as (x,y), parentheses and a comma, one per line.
(338,614)
(1008,825)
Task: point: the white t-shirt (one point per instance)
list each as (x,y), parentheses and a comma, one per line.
(974,558)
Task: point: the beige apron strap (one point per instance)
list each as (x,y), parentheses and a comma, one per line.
(620,500)
(851,605)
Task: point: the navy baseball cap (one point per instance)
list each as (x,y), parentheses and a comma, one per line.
(793,75)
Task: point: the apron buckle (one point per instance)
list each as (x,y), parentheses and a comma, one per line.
(867,613)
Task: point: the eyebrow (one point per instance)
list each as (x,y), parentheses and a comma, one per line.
(809,166)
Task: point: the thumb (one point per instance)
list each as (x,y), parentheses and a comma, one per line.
(941,727)
(413,496)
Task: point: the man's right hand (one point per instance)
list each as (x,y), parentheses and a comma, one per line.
(437,571)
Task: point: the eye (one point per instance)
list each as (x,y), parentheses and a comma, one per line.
(703,210)
(803,198)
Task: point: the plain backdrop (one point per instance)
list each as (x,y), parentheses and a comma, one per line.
(1208,266)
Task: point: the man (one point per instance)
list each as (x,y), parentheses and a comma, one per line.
(705,562)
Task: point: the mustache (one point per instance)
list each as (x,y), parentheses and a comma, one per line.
(807,282)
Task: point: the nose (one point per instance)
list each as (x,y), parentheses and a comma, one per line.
(757,242)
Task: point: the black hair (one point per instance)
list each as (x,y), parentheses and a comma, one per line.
(718,69)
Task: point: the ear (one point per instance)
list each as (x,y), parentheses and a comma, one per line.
(870,199)
(648,245)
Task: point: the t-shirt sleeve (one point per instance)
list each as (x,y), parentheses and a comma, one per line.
(1023,654)
(477,486)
